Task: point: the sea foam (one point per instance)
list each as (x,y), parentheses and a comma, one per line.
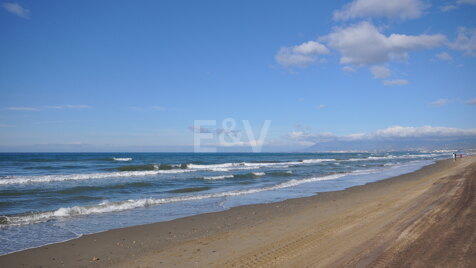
(174,169)
(105,207)
(123,159)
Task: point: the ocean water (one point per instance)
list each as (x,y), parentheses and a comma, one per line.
(52,197)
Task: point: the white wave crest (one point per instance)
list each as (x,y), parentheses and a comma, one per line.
(406,156)
(7,180)
(124,159)
(312,161)
(105,207)
(225,167)
(240,166)
(88,176)
(218,177)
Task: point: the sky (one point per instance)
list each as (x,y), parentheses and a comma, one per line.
(137,75)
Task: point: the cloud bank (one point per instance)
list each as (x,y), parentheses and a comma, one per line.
(53,107)
(399,9)
(439,102)
(17,10)
(364,44)
(301,55)
(465,41)
(395,82)
(380,72)
(444,56)
(394,132)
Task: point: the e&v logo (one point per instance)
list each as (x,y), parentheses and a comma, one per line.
(228,135)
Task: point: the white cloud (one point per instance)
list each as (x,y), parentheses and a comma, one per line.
(448,7)
(471,102)
(68,106)
(380,72)
(348,69)
(394,132)
(396,82)
(305,136)
(363,44)
(159,108)
(150,108)
(456,4)
(17,9)
(439,102)
(321,106)
(287,58)
(16,108)
(425,131)
(300,55)
(470,2)
(231,133)
(199,129)
(465,41)
(53,107)
(311,48)
(250,143)
(444,56)
(219,131)
(400,9)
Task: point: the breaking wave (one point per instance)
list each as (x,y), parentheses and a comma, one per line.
(123,159)
(156,169)
(250,175)
(7,180)
(221,177)
(105,207)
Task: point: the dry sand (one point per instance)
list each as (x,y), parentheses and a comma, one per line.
(423,219)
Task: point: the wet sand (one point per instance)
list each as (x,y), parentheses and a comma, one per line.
(423,219)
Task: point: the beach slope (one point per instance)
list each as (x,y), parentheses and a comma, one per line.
(423,219)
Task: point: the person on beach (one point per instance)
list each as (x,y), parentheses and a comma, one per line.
(454,156)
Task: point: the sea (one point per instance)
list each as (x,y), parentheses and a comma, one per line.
(52,197)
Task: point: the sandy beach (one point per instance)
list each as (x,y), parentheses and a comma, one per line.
(238,134)
(422,219)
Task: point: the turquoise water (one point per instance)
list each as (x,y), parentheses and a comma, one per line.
(52,197)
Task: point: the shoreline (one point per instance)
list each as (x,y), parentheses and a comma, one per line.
(375,175)
(141,245)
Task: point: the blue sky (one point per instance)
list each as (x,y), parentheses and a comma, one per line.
(110,74)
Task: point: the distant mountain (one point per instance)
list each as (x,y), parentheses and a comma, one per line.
(400,144)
